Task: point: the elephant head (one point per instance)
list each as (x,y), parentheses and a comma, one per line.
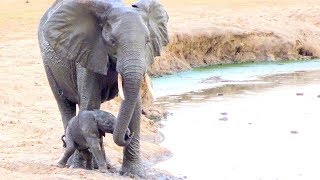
(145,29)
(100,33)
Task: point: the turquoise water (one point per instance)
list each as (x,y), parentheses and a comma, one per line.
(195,80)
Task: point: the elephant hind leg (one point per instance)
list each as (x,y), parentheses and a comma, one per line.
(71,147)
(67,108)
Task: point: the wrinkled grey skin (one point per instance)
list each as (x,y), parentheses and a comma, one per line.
(86,131)
(85,43)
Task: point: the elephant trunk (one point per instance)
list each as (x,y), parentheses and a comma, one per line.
(132,72)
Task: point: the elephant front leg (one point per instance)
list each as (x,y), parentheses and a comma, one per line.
(132,164)
(89,99)
(95,148)
(111,168)
(88,158)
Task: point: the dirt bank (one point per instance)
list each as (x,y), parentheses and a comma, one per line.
(202,33)
(210,32)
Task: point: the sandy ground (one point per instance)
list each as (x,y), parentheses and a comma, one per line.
(30,122)
(29,119)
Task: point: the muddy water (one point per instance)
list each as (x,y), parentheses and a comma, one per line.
(243,122)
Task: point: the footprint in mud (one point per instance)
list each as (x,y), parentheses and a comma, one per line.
(223,119)
(299,94)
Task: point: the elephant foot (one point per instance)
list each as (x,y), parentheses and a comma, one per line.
(111,168)
(103,169)
(95,164)
(107,168)
(78,161)
(133,169)
(61,165)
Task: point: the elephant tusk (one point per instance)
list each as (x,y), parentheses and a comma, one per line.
(149,86)
(120,87)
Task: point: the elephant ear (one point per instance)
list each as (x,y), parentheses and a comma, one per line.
(74,33)
(157,18)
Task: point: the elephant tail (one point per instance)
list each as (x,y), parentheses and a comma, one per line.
(63,141)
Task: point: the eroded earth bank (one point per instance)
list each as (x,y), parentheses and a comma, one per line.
(202,33)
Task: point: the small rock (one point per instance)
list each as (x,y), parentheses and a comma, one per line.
(224,113)
(220,94)
(318,96)
(294,132)
(249,123)
(299,94)
(223,119)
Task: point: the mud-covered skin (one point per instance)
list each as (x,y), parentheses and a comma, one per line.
(85,43)
(85,132)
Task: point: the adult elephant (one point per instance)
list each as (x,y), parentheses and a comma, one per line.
(92,49)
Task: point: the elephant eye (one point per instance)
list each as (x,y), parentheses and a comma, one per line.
(109,39)
(112,42)
(148,40)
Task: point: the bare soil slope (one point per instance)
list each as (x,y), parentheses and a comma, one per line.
(207,32)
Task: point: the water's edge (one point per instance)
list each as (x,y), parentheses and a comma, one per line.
(223,102)
(218,75)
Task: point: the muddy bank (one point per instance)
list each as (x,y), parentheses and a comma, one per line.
(243,34)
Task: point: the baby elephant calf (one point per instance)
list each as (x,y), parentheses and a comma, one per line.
(85,131)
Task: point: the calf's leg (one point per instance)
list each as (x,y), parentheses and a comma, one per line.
(71,147)
(95,148)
